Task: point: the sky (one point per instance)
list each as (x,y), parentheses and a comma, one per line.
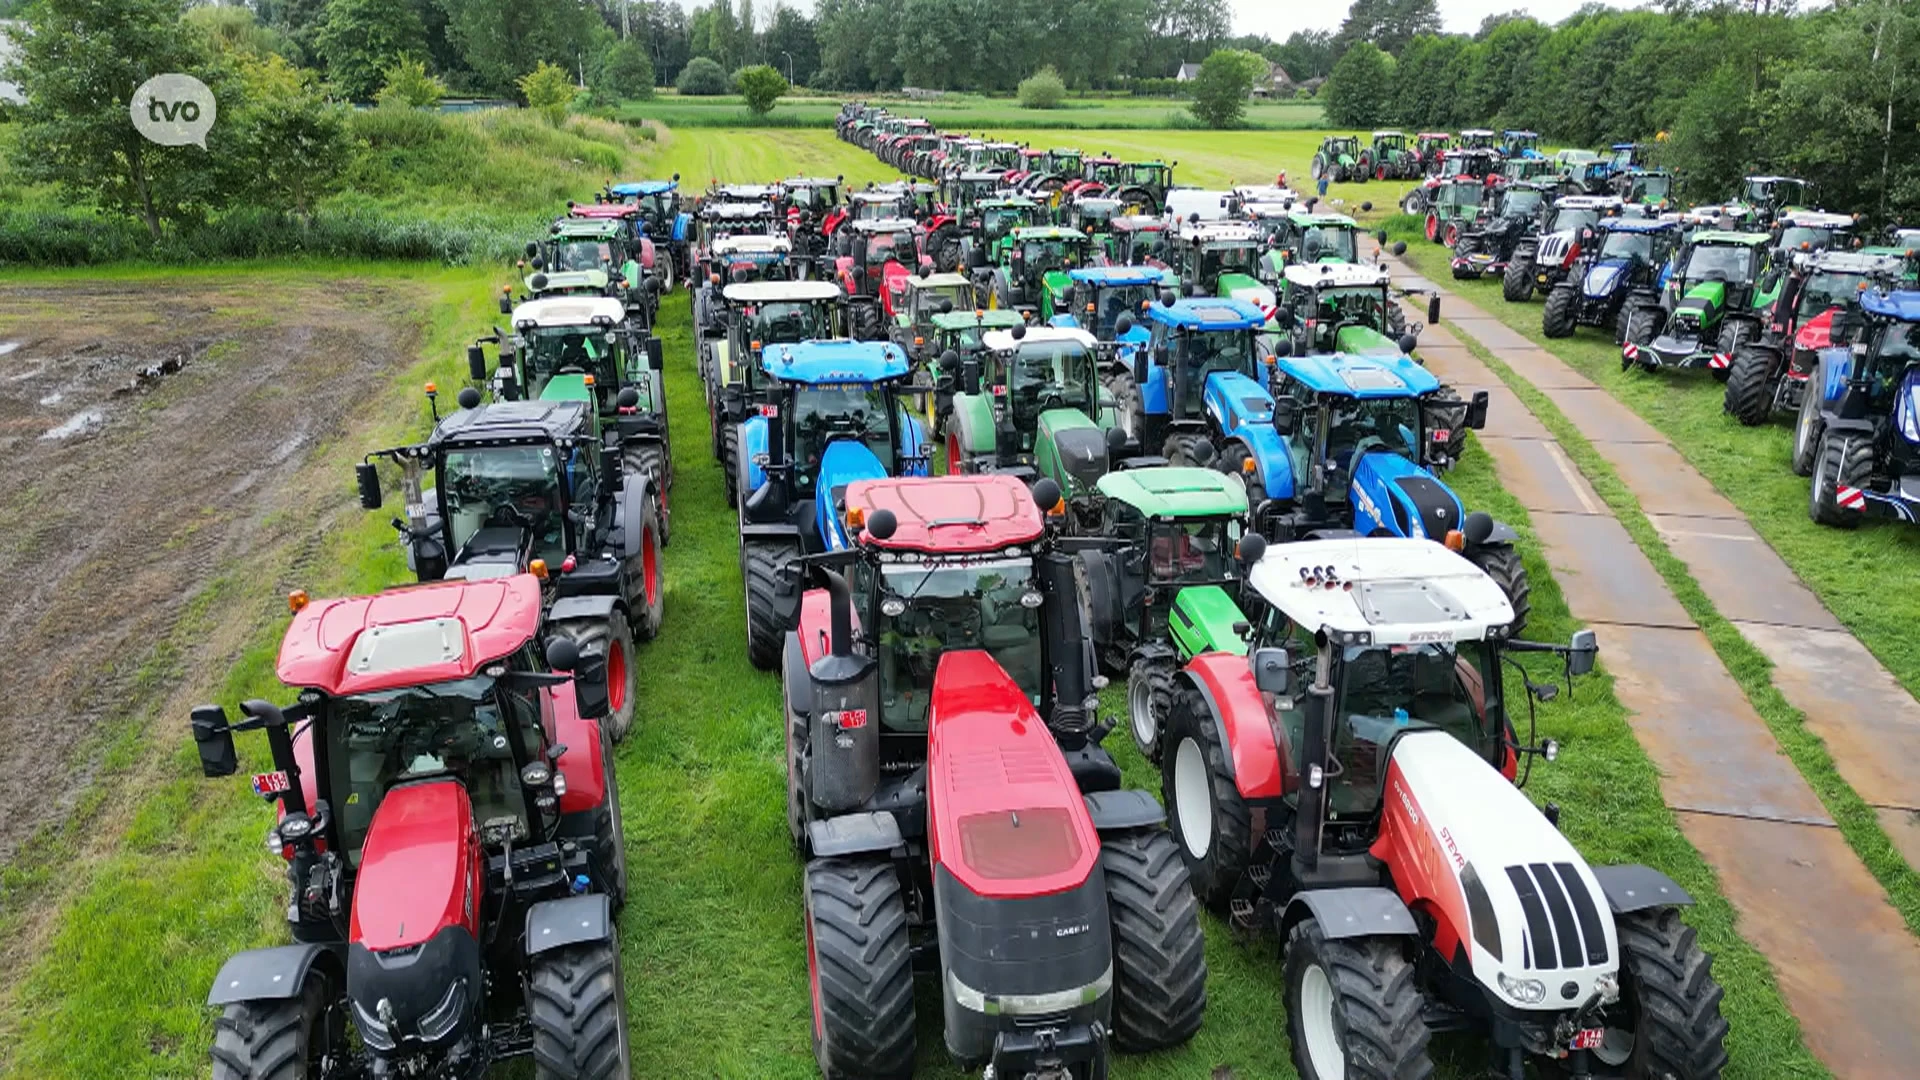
(1278,18)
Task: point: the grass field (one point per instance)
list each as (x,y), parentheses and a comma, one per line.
(963,112)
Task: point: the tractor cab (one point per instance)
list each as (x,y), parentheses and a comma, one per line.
(1032,401)
(1812,230)
(1866,401)
(1543,261)
(1713,303)
(1033,272)
(927,295)
(1101,294)
(1138,241)
(912,199)
(998,217)
(1592,176)
(760,315)
(1818,308)
(1513,213)
(1143,185)
(720,219)
(813,195)
(657,200)
(1457,202)
(1254,200)
(1525,170)
(566,344)
(1617,271)
(438,781)
(873,267)
(1343,308)
(589,257)
(1200,371)
(1770,196)
(1479,164)
(1649,188)
(1428,148)
(1515,144)
(875,205)
(1302,236)
(1338,160)
(1220,259)
(1094,216)
(964,191)
(1103,170)
(1389,156)
(1478,139)
(956,338)
(734,259)
(1627,157)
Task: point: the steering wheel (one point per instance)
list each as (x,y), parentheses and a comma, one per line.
(1366,443)
(570,368)
(1051,397)
(507,514)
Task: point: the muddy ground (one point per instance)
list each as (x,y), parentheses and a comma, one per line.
(148,433)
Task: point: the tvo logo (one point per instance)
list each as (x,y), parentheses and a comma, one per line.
(173,110)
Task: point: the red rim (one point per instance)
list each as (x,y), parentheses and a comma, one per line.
(616,675)
(650,568)
(1433,226)
(1380,173)
(953,454)
(1453,235)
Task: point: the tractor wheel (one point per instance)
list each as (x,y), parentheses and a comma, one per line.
(1807,429)
(650,605)
(654,459)
(279,1039)
(668,275)
(1149,696)
(1415,201)
(730,460)
(1159,959)
(1204,808)
(863,321)
(1353,1008)
(797,753)
(1443,408)
(1734,336)
(1380,172)
(1433,227)
(1194,450)
(760,565)
(1671,1025)
(1502,563)
(714,422)
(1127,404)
(1749,394)
(577,1007)
(611,640)
(1841,472)
(1318,168)
(1557,316)
(1516,285)
(860,964)
(1463,247)
(1451,235)
(1642,326)
(610,836)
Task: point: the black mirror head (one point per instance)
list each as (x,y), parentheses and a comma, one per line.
(214,739)
(1046,494)
(469,397)
(1252,547)
(1433,309)
(1123,324)
(628,398)
(1272,671)
(533,249)
(882,524)
(562,653)
(1477,527)
(1399,247)
(1408,343)
(368,479)
(477,363)
(1581,653)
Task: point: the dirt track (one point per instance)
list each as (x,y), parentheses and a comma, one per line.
(149,430)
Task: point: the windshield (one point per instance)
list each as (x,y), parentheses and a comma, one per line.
(657,207)
(1363,425)
(1336,309)
(1827,288)
(562,350)
(511,487)
(1385,689)
(955,606)
(1462,194)
(569,255)
(1106,172)
(789,321)
(1327,243)
(997,221)
(1807,236)
(1145,245)
(1043,255)
(1627,245)
(1112,301)
(1049,375)
(465,729)
(1189,552)
(1217,259)
(1567,218)
(1720,262)
(884,246)
(1208,351)
(927,301)
(1650,189)
(1146,174)
(827,412)
(1522,204)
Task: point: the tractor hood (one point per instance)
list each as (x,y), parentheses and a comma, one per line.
(1248,290)
(1392,493)
(1463,843)
(567,281)
(1603,278)
(843,462)
(1364,341)
(1235,401)
(1816,333)
(1070,448)
(569,387)
(1706,297)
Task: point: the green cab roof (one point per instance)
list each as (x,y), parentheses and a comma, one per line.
(568,387)
(1047,232)
(967,320)
(587,228)
(1171,491)
(938,281)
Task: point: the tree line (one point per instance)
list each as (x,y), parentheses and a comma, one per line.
(1721,90)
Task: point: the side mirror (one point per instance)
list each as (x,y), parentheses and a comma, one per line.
(970,375)
(628,398)
(655,355)
(1476,529)
(1285,415)
(1272,672)
(1433,310)
(1252,546)
(1381,235)
(1140,366)
(533,250)
(1580,653)
(537,264)
(213,737)
(368,478)
(1046,494)
(1408,343)
(1477,411)
(477,363)
(1399,247)
(562,653)
(1123,325)
(609,473)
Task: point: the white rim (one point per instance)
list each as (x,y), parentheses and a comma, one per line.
(1803,431)
(1193,798)
(1140,711)
(1316,1025)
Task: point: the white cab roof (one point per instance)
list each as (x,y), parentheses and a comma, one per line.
(1003,340)
(773,292)
(1399,591)
(569,311)
(1336,275)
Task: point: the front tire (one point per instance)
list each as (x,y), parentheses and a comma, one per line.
(1159,957)
(1204,809)
(860,965)
(1808,427)
(1353,1009)
(1557,314)
(1843,463)
(760,567)
(1149,698)
(1516,285)
(1501,562)
(1749,396)
(281,1039)
(1672,1002)
(1188,450)
(577,1007)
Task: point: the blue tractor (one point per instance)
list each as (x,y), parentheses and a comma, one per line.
(1354,436)
(1868,462)
(1623,261)
(1101,294)
(839,411)
(667,224)
(1197,380)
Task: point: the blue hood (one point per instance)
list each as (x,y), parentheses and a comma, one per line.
(844,461)
(1392,496)
(1602,278)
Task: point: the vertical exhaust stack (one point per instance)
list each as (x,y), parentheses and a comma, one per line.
(1313,758)
(1070,653)
(845,728)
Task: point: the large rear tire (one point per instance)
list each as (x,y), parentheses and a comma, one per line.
(1557,314)
(1159,957)
(282,1039)
(650,601)
(655,460)
(860,965)
(577,1007)
(1149,698)
(1353,1008)
(1734,336)
(1671,1002)
(1502,563)
(730,460)
(612,641)
(610,835)
(1188,450)
(760,566)
(1749,396)
(1516,285)
(1204,809)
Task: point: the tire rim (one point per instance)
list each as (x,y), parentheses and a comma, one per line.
(1316,1024)
(1803,431)
(650,568)
(1193,799)
(616,675)
(1140,711)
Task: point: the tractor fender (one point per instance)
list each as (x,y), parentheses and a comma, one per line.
(1117,811)
(572,920)
(972,424)
(854,834)
(1202,621)
(1234,401)
(793,671)
(1631,887)
(1272,462)
(628,510)
(586,787)
(1502,533)
(1064,321)
(682,225)
(1101,571)
(912,443)
(1365,911)
(592,606)
(273,974)
(1245,728)
(753,451)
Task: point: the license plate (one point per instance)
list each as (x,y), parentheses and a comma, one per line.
(1441,434)
(851,719)
(1587,1039)
(271,783)
(769,411)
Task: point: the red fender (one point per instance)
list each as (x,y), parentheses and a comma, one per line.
(646,253)
(583,764)
(1261,769)
(816,624)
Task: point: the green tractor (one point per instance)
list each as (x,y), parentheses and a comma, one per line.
(1457,203)
(1649,188)
(1163,590)
(1032,272)
(585,257)
(1143,185)
(1303,236)
(1032,400)
(990,228)
(1390,158)
(924,296)
(1220,258)
(1338,160)
(1772,196)
(758,314)
(957,336)
(1715,304)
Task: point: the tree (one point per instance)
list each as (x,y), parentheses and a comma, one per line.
(406,84)
(661,26)
(549,90)
(624,72)
(1306,54)
(761,86)
(291,144)
(702,77)
(1359,93)
(1390,24)
(1220,90)
(1042,89)
(78,63)
(236,30)
(790,40)
(501,40)
(360,39)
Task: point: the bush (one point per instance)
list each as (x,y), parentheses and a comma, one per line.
(1359,93)
(1220,90)
(761,86)
(1042,89)
(702,78)
(408,84)
(625,72)
(549,90)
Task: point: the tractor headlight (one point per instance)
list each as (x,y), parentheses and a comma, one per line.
(372,1031)
(446,1015)
(1524,991)
(893,607)
(1058,1001)
(1031,599)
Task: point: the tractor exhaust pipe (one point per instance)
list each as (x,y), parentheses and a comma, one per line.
(840,612)
(1313,758)
(1070,652)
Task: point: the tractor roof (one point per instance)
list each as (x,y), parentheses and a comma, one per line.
(938,281)
(1475,131)
(1307,218)
(1118,275)
(1220,232)
(750,243)
(1389,134)
(736,210)
(409,636)
(1004,341)
(814,362)
(960,515)
(774,292)
(1520,131)
(1744,239)
(1899,306)
(1336,275)
(603,212)
(1047,232)
(1587,202)
(1265,193)
(967,320)
(981,176)
(1005,202)
(1433,135)
(883,225)
(1774,179)
(1637,225)
(643,187)
(1208,313)
(586,228)
(1170,491)
(1356,376)
(1817,219)
(1138,223)
(812,181)
(544,421)
(1881,262)
(1392,590)
(748,191)
(569,311)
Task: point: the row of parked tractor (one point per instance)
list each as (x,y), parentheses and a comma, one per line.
(986,452)
(1803,313)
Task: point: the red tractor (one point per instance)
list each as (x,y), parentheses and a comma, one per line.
(947,787)
(455,857)
(1349,784)
(875,258)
